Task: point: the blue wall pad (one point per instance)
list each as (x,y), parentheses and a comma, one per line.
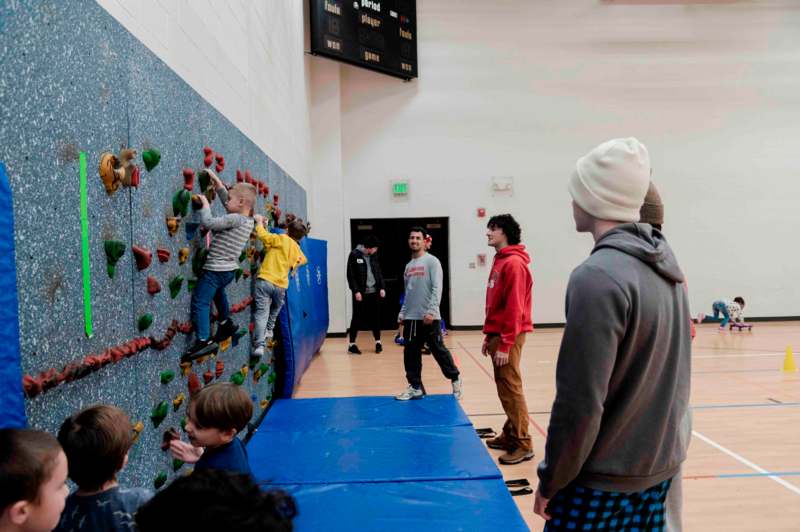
(350,413)
(304,318)
(440,506)
(369,455)
(12,414)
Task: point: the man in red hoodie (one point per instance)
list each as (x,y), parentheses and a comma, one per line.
(508,319)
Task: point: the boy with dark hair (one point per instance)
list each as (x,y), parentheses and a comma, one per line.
(96,441)
(218,500)
(726,311)
(282,257)
(509,226)
(33,475)
(365,280)
(213,419)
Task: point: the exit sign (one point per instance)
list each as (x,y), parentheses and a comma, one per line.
(400,188)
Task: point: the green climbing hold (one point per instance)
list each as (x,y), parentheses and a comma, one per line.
(237,378)
(199,260)
(175,286)
(159,413)
(114,251)
(243,255)
(263,369)
(167,376)
(160,480)
(183,424)
(238,274)
(271,378)
(180,203)
(190,284)
(145,321)
(176,464)
(204,179)
(151,158)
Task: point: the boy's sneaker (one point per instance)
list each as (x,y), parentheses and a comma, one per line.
(458,388)
(516,456)
(225,330)
(199,348)
(378,347)
(354,350)
(258,351)
(409,394)
(700,318)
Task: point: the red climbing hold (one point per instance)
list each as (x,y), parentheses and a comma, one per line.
(32,386)
(143,257)
(188,179)
(208,161)
(219,167)
(163,254)
(135,176)
(194,384)
(239,176)
(208,377)
(220,369)
(207,151)
(252,326)
(219,158)
(153,286)
(248,177)
(275,199)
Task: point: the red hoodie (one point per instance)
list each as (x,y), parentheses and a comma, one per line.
(509,296)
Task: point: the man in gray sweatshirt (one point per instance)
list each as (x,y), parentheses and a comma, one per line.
(622,380)
(421,319)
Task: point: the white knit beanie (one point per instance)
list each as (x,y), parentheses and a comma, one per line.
(610,182)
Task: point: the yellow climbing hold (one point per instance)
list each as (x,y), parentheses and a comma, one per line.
(186,367)
(137,429)
(225,344)
(178,401)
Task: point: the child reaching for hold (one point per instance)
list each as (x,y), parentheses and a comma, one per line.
(230,234)
(726,311)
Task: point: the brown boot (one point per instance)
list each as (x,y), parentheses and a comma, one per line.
(500,442)
(516,456)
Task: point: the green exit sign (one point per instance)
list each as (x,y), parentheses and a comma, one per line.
(400,188)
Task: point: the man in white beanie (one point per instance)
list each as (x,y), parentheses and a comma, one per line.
(622,380)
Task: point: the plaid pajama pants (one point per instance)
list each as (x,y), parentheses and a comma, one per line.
(579,508)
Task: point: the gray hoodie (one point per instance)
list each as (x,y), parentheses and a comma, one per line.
(620,418)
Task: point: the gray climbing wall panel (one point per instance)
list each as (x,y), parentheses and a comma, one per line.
(74,80)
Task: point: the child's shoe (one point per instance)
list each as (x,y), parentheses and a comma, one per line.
(199,348)
(354,350)
(399,340)
(378,347)
(225,330)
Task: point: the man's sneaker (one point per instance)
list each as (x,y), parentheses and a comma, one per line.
(458,388)
(354,350)
(225,330)
(425,350)
(199,348)
(516,456)
(500,443)
(258,351)
(378,347)
(701,317)
(409,394)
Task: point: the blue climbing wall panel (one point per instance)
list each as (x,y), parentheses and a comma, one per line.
(74,80)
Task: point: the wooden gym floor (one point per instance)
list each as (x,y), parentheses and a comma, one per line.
(743,470)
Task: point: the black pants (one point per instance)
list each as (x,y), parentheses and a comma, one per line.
(416,334)
(366,315)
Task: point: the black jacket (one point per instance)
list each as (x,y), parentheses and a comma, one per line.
(357,271)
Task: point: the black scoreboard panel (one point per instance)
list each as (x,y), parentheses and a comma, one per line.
(375,34)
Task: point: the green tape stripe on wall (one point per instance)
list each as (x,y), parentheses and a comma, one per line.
(87,276)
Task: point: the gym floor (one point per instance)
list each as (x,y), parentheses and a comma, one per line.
(743,469)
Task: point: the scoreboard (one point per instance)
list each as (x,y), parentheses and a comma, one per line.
(379,35)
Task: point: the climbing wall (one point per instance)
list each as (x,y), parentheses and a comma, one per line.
(76,82)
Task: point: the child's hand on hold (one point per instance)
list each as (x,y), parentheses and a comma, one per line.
(185,451)
(259,219)
(214,178)
(203,200)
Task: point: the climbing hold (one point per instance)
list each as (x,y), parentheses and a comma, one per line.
(175,286)
(159,413)
(211,194)
(143,257)
(153,286)
(202,359)
(204,180)
(126,156)
(151,158)
(225,344)
(169,435)
(237,378)
(137,429)
(186,367)
(275,199)
(239,176)
(107,169)
(244,370)
(194,384)
(178,401)
(208,376)
(219,168)
(173,223)
(208,160)
(271,378)
(271,343)
(219,158)
(163,254)
(183,423)
(183,255)
(191,229)
(114,251)
(263,368)
(188,179)
(145,321)
(219,369)
(180,202)
(160,480)
(190,284)
(176,464)
(199,260)
(207,151)
(136,176)
(167,376)
(197,203)
(264,403)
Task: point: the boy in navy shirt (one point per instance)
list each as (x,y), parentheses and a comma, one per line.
(213,419)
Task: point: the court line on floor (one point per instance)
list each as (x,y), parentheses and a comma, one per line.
(491,378)
(743,355)
(695,407)
(748,463)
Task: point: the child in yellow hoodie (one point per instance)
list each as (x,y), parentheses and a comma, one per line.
(282,255)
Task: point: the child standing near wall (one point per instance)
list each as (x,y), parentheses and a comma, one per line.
(213,419)
(283,255)
(96,441)
(33,475)
(230,234)
(725,310)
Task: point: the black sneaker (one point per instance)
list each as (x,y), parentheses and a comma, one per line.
(425,350)
(225,330)
(378,347)
(199,349)
(353,349)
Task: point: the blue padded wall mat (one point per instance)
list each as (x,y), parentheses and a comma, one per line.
(349,413)
(369,455)
(440,506)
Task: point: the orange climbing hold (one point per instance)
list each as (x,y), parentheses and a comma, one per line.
(173,223)
(183,255)
(208,376)
(194,384)
(220,369)
(153,286)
